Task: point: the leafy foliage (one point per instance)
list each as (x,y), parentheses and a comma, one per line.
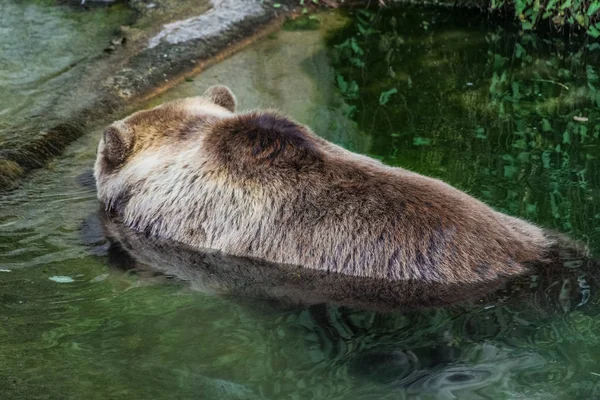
(509,117)
(581,13)
(384,97)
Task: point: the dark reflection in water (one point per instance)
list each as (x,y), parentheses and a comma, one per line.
(549,288)
(509,117)
(332,303)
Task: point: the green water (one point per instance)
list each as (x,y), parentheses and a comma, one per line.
(43,51)
(467,110)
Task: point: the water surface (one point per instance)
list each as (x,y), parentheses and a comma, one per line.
(43,49)
(423,90)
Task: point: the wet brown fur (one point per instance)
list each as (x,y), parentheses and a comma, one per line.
(260,185)
(212,271)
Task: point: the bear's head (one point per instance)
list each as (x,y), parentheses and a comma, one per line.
(133,139)
(159,125)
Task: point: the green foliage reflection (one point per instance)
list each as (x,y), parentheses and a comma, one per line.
(510,118)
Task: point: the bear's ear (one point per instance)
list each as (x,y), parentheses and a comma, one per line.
(118,144)
(221,95)
(263,139)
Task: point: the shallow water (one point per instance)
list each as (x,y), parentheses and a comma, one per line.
(73,325)
(43,47)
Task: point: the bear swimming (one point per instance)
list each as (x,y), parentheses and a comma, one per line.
(259,185)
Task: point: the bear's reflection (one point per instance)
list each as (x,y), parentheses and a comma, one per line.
(386,347)
(215,272)
(554,287)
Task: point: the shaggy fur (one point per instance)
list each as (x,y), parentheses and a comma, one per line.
(260,185)
(559,289)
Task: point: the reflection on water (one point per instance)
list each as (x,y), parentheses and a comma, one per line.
(548,287)
(263,76)
(510,118)
(117,330)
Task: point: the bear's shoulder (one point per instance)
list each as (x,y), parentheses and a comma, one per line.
(263,139)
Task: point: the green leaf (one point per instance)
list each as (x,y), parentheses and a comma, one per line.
(353,90)
(421,141)
(519,50)
(357,62)
(497,4)
(362,30)
(592,76)
(546,127)
(356,48)
(565,5)
(499,61)
(523,156)
(593,8)
(593,46)
(527,25)
(583,132)
(551,5)
(510,171)
(343,45)
(384,97)
(362,19)
(515,91)
(520,6)
(520,144)
(276,5)
(342,84)
(546,159)
(349,112)
(567,137)
(480,133)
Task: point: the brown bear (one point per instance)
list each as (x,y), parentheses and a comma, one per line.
(257,184)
